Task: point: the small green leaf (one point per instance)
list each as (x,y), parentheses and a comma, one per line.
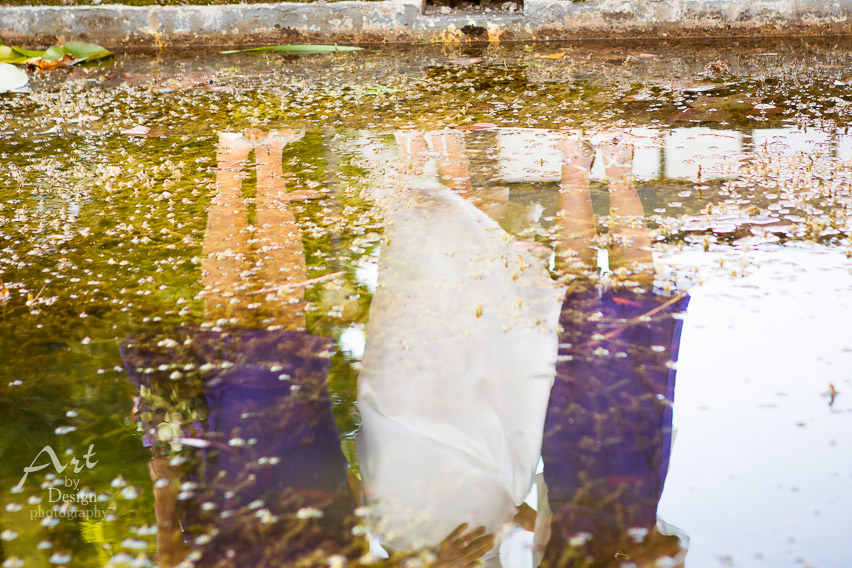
(28,52)
(80,50)
(85,51)
(54,53)
(297,48)
(9,55)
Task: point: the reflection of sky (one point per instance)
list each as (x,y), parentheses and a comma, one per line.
(761,464)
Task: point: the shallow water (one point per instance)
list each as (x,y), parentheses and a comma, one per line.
(386,277)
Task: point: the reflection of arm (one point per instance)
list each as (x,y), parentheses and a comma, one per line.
(463,548)
(526,517)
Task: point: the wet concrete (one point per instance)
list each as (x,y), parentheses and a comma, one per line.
(405,21)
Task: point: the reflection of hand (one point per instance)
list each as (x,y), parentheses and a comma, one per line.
(463,548)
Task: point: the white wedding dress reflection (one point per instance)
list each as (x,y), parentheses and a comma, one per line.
(457,372)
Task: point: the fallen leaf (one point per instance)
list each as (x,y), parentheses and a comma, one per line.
(559,55)
(85,118)
(703,87)
(9,55)
(720,66)
(143,131)
(637,98)
(731,102)
(42,64)
(465,61)
(766,109)
(17,55)
(12,78)
(85,51)
(700,115)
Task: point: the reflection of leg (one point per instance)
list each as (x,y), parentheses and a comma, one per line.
(632,247)
(280,253)
(575,205)
(412,150)
(226,239)
(452,162)
(171,549)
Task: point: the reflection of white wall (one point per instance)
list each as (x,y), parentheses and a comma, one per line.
(762,466)
(646,155)
(844,147)
(716,151)
(788,141)
(527,154)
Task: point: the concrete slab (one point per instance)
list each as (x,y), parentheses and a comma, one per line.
(404,21)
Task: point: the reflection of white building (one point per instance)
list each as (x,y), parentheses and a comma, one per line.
(715,154)
(647,155)
(789,141)
(528,154)
(844,147)
(533,155)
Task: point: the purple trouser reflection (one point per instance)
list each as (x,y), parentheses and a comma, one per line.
(609,422)
(257,402)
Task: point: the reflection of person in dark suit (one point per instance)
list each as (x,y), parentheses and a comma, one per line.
(609,422)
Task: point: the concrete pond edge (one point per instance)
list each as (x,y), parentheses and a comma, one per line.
(405,21)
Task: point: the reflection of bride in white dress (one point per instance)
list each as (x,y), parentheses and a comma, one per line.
(459,360)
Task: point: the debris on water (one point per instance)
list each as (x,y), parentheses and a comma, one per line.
(143,131)
(700,115)
(831,393)
(718,67)
(462,61)
(730,103)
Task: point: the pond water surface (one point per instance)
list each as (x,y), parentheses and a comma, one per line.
(527,305)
